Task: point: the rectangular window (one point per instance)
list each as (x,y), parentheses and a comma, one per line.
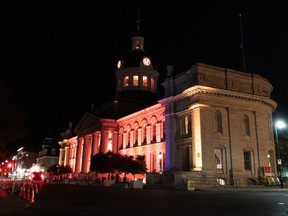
(145,81)
(126,81)
(247,160)
(152,84)
(184,126)
(135,80)
(219,158)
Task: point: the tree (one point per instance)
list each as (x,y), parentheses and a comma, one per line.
(105,162)
(99,163)
(57,170)
(113,162)
(137,166)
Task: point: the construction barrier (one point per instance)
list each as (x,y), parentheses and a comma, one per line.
(27,191)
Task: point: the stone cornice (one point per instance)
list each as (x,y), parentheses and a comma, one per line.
(200,90)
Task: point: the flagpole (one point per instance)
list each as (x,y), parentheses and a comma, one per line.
(242,43)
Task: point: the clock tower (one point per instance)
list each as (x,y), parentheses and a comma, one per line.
(136,77)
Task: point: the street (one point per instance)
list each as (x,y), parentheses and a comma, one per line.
(64,199)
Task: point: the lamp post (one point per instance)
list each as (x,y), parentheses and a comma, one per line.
(279,125)
(160,156)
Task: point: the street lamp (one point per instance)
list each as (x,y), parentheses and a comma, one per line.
(279,125)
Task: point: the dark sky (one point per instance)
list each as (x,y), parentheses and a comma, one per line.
(60,56)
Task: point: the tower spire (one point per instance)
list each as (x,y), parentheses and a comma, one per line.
(138,21)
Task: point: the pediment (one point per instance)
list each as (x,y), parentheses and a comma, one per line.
(88,124)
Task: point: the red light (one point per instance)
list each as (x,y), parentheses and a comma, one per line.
(9,165)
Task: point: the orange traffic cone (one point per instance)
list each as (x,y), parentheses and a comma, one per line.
(36,188)
(31,201)
(28,194)
(21,191)
(25,191)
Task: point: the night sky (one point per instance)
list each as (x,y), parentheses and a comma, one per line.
(60,58)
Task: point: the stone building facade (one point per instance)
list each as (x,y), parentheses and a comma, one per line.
(212,125)
(223,124)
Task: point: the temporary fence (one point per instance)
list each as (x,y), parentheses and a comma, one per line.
(28,190)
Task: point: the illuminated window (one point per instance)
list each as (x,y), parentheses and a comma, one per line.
(128,139)
(120,138)
(144,132)
(145,81)
(219,158)
(153,162)
(153,132)
(124,139)
(109,145)
(135,136)
(137,45)
(126,81)
(247,160)
(135,80)
(152,84)
(184,126)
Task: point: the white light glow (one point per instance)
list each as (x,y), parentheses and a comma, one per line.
(280,124)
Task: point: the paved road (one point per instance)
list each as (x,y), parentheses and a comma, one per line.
(62,199)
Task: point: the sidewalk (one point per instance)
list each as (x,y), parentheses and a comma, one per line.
(12,204)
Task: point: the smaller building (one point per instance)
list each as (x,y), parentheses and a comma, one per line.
(48,156)
(23,161)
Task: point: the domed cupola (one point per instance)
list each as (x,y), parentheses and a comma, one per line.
(136,78)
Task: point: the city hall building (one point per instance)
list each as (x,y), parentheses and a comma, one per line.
(213,125)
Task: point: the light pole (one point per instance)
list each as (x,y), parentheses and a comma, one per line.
(160,156)
(279,125)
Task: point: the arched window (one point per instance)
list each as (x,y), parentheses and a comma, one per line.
(135,140)
(120,138)
(144,136)
(128,138)
(219,158)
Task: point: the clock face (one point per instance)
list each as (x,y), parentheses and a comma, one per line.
(146,61)
(119,63)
